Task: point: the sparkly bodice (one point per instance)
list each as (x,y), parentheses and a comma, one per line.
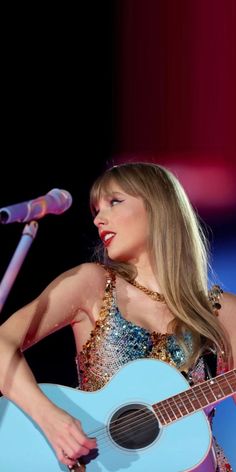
(115,341)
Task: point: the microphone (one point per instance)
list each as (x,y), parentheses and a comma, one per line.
(56,201)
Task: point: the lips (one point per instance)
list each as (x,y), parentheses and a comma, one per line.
(106,237)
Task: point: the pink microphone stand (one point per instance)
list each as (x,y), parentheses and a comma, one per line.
(28,235)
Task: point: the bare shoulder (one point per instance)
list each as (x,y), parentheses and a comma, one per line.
(85,281)
(73,294)
(227,317)
(87,274)
(227,313)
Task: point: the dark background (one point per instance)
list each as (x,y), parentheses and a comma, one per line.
(89,86)
(56,133)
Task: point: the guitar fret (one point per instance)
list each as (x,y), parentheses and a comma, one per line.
(232,375)
(228,386)
(204,396)
(213,390)
(179,405)
(164,420)
(174,407)
(212,383)
(183,406)
(187,402)
(196,397)
(171,412)
(218,390)
(161,409)
(222,386)
(208,393)
(159,414)
(167,411)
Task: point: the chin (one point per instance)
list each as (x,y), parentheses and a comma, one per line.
(119,258)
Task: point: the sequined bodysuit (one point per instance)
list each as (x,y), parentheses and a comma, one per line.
(115,341)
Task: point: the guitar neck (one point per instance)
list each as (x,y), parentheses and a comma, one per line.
(196,398)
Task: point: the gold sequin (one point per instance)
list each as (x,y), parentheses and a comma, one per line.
(214,296)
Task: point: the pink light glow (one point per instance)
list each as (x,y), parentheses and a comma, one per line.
(210,183)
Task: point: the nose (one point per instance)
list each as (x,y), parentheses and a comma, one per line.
(100,219)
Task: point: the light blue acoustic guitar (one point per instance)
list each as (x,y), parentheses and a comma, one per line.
(143,422)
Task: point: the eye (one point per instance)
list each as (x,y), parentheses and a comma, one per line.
(114,201)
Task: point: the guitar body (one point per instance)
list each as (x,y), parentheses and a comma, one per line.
(180,446)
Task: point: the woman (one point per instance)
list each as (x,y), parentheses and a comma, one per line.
(156,302)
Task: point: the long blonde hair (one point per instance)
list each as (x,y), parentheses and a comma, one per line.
(178,247)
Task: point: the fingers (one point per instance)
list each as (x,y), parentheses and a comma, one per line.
(71,462)
(74,445)
(69,455)
(67,437)
(63,458)
(85,441)
(81,438)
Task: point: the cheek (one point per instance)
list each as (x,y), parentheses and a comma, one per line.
(143,233)
(138,225)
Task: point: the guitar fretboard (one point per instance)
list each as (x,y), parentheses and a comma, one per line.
(196,398)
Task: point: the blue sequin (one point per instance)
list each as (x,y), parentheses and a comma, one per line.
(116,341)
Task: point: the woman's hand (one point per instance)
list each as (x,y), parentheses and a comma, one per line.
(65,435)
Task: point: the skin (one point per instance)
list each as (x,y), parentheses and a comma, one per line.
(74,298)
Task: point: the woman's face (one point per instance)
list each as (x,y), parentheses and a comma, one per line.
(123,226)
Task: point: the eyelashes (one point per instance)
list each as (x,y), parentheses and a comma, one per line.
(114,201)
(111,202)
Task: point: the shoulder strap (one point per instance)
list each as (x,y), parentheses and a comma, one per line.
(108,293)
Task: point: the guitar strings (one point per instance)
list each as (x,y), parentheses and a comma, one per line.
(135,415)
(148,421)
(146,425)
(124,422)
(167,404)
(120,428)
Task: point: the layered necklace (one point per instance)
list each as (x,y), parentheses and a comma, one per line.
(156,296)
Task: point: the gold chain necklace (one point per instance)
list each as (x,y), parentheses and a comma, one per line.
(157,297)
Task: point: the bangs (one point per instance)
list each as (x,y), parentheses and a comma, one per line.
(129,177)
(99,188)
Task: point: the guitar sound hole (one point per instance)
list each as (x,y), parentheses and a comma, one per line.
(134,426)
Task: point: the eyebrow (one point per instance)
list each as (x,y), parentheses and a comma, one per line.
(106,194)
(112,192)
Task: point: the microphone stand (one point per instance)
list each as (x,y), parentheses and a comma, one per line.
(28,235)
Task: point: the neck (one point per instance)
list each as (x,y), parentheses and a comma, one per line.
(146,277)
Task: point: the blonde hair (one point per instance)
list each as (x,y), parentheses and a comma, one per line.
(178,247)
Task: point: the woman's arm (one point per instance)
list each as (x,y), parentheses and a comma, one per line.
(67,298)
